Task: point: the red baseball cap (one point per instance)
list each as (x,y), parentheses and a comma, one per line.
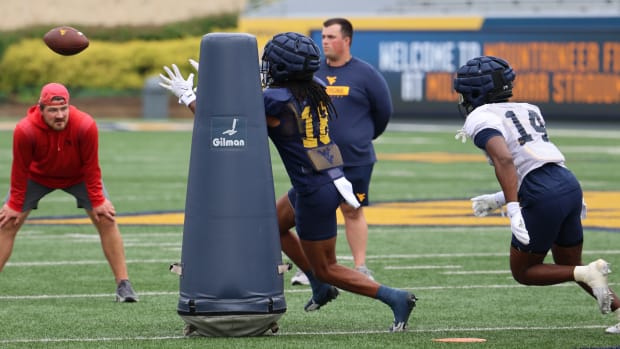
(52,90)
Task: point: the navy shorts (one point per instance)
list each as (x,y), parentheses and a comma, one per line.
(315,212)
(359,176)
(35,192)
(551,199)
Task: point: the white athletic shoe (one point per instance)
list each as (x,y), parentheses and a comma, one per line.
(364,270)
(300,278)
(615,329)
(596,278)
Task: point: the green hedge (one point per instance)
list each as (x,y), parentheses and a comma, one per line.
(193,27)
(122,66)
(117,61)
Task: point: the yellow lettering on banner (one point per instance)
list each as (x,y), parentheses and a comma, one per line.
(586,88)
(576,71)
(580,56)
(558,89)
(611,57)
(532,87)
(591,53)
(439,87)
(337,91)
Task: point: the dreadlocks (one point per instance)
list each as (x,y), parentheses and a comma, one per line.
(314,93)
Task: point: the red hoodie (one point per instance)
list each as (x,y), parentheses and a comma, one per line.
(55,159)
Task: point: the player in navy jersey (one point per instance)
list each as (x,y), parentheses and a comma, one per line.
(298,112)
(543,198)
(364,105)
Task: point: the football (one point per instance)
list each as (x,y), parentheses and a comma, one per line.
(66,40)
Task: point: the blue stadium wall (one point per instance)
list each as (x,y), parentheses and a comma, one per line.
(570,67)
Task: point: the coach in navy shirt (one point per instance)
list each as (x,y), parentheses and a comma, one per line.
(364,105)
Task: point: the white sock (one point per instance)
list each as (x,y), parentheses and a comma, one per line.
(580,273)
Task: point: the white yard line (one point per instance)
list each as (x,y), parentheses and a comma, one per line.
(91,295)
(476,272)
(85,262)
(322,334)
(420,267)
(295,290)
(372,257)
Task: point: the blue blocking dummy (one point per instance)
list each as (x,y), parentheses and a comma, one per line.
(231,266)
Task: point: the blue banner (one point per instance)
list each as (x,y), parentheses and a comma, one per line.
(570,67)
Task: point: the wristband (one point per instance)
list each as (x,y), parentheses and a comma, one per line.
(188,97)
(512,208)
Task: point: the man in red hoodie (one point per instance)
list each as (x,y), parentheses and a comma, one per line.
(56,147)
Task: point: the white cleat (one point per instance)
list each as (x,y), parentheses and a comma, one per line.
(615,329)
(300,278)
(398,327)
(596,278)
(364,270)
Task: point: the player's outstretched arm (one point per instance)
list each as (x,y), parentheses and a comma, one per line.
(487,203)
(180,87)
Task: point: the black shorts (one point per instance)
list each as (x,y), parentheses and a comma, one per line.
(359,176)
(315,212)
(551,199)
(36,191)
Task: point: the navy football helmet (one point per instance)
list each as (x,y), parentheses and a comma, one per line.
(289,57)
(483,80)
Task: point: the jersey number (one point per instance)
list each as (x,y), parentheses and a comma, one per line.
(314,131)
(536,123)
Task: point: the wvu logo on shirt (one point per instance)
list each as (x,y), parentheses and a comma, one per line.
(327,154)
(334,90)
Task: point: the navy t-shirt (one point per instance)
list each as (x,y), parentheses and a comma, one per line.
(362,100)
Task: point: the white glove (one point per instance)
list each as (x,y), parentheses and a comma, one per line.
(584,209)
(485,204)
(461,136)
(345,188)
(194,64)
(517,224)
(182,88)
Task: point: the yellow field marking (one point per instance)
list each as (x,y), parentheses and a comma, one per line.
(603,212)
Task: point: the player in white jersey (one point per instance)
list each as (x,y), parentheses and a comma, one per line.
(543,198)
(522,126)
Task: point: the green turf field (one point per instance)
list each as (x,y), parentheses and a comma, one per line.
(57,290)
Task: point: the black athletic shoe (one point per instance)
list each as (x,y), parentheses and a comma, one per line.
(315,304)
